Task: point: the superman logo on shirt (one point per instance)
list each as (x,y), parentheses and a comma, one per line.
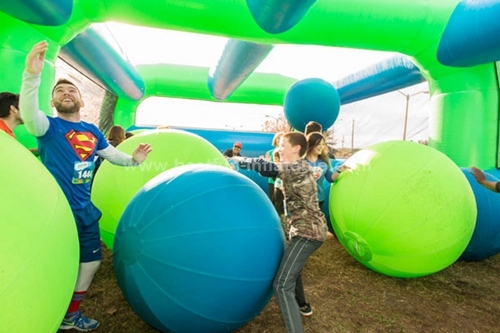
(83,143)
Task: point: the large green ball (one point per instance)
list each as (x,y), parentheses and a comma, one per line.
(404,209)
(39,251)
(114,186)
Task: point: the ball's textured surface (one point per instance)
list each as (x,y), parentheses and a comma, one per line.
(196,250)
(403,210)
(114,186)
(38,244)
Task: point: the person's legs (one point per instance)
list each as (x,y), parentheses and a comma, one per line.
(300,297)
(90,259)
(296,254)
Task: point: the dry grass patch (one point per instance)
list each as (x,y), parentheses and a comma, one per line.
(347,297)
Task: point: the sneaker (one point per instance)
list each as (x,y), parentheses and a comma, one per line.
(79,323)
(306,310)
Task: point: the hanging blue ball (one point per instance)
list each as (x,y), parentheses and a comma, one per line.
(311,100)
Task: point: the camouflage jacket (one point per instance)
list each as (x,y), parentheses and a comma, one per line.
(299,189)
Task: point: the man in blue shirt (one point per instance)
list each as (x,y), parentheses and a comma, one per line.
(68,147)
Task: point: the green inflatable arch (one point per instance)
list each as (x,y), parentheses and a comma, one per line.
(171,81)
(464,118)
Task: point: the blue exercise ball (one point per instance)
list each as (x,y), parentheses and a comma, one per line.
(485,241)
(311,100)
(197,248)
(259,180)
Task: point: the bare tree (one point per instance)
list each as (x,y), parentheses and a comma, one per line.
(424,142)
(276,124)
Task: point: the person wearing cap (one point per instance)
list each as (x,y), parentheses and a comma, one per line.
(235,151)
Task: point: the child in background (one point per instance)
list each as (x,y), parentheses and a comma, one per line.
(319,161)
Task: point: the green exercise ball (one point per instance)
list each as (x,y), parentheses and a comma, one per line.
(39,251)
(114,186)
(403,209)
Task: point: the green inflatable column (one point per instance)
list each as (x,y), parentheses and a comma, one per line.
(463,123)
(16,40)
(125,111)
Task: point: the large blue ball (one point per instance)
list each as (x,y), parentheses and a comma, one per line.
(485,241)
(197,248)
(311,100)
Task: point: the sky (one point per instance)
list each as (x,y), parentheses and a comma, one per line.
(369,121)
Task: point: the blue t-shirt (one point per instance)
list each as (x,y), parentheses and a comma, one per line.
(68,151)
(321,171)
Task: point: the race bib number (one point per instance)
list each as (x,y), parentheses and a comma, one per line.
(83,172)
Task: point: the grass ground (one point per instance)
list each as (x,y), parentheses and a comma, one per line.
(348,297)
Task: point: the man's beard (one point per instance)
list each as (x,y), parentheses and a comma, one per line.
(67,109)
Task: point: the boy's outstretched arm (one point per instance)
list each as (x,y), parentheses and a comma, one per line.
(265,168)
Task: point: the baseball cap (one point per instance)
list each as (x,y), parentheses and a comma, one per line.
(238,144)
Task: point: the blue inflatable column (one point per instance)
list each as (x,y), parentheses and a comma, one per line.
(471,35)
(277,16)
(394,73)
(239,59)
(95,56)
(41,12)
